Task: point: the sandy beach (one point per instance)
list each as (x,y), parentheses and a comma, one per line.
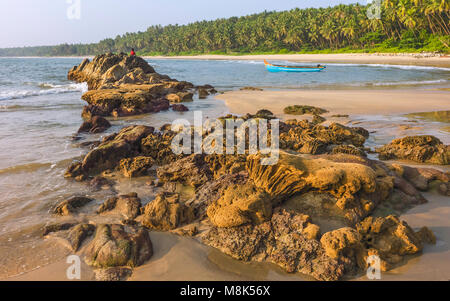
(347,58)
(353,102)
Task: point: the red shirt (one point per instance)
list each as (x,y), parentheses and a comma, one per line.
(132,53)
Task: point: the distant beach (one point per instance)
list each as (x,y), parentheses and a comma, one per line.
(353,58)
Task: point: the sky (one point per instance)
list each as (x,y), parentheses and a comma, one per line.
(52,22)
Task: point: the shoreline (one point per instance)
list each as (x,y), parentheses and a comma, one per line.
(350,58)
(376,102)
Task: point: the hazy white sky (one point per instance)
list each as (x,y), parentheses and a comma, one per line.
(46,22)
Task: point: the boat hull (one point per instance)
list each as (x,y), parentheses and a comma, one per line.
(272,68)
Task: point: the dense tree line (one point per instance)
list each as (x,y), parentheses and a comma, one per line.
(407,25)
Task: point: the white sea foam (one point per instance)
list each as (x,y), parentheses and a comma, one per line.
(405,67)
(45,89)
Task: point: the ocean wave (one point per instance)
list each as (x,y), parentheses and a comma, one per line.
(409,83)
(29,167)
(45,89)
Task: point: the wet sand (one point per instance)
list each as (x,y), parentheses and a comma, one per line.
(350,58)
(353,102)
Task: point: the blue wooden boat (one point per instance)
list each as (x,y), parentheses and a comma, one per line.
(281,68)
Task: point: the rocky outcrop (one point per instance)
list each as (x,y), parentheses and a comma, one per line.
(422,178)
(110,152)
(122,85)
(284,240)
(179,108)
(356,187)
(167,212)
(119,245)
(96,124)
(71,205)
(422,149)
(129,206)
(303,109)
(250,89)
(180,97)
(308,138)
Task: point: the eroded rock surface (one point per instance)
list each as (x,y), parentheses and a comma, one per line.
(119,245)
(422,149)
(71,205)
(122,85)
(127,205)
(167,212)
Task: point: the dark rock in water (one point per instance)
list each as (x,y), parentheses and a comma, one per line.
(421,178)
(266,114)
(119,246)
(99,183)
(167,212)
(56,228)
(180,97)
(111,151)
(202,93)
(127,205)
(191,170)
(251,89)
(303,109)
(78,234)
(70,206)
(423,149)
(318,119)
(96,124)
(340,116)
(113,274)
(179,108)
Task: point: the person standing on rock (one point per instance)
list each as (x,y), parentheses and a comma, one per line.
(132,53)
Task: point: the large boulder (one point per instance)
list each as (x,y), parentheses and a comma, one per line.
(111,151)
(122,85)
(119,245)
(422,149)
(96,124)
(310,138)
(71,205)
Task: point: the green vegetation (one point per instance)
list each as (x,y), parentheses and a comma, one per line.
(405,26)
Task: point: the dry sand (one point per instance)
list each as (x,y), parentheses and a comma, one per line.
(353,102)
(353,58)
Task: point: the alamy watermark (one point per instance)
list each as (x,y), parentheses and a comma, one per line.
(374,10)
(373,267)
(229,136)
(73,272)
(74,9)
